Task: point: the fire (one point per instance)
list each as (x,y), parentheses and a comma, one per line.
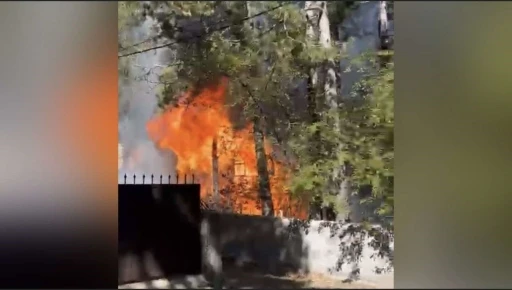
(189,130)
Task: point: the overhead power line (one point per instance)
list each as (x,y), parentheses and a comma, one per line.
(222,28)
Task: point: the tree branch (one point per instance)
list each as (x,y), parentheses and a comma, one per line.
(205,34)
(269,78)
(274,131)
(153,38)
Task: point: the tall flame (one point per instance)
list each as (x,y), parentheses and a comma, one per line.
(189,130)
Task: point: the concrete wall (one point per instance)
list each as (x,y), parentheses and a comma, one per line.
(277,245)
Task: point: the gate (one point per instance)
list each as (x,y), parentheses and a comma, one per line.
(159,231)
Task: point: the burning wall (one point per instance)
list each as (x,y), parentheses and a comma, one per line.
(189,130)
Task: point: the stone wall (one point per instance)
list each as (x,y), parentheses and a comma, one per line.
(277,245)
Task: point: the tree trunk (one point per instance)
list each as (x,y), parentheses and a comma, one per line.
(319,28)
(329,72)
(331,101)
(329,80)
(326,97)
(383,19)
(264,193)
(312,17)
(267,206)
(215,175)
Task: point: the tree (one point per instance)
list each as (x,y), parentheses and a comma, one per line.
(128,18)
(366,132)
(371,135)
(266,49)
(352,143)
(262,58)
(323,97)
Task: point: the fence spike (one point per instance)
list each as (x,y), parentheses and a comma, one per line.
(192,178)
(125,178)
(161,176)
(143,177)
(151,178)
(169,179)
(134,179)
(185,178)
(177,178)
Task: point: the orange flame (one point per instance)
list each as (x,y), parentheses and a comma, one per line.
(189,130)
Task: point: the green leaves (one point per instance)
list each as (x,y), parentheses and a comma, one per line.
(365,141)
(375,154)
(193,8)
(128,14)
(278,43)
(269,55)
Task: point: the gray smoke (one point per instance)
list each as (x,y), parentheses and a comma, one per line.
(139,103)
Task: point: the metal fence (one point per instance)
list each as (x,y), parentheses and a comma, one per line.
(160,179)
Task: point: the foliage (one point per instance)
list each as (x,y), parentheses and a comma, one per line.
(262,58)
(371,134)
(127,19)
(367,137)
(338,10)
(128,14)
(265,59)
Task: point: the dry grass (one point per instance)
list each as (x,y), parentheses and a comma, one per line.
(239,279)
(245,277)
(255,281)
(321,281)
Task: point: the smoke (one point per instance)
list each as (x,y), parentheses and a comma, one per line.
(138,101)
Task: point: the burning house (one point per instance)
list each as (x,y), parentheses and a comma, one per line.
(198,135)
(201,133)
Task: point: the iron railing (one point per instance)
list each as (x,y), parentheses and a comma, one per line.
(160,179)
(152,179)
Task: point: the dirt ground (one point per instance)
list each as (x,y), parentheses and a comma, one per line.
(251,276)
(239,279)
(255,277)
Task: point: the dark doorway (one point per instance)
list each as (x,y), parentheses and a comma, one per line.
(159,231)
